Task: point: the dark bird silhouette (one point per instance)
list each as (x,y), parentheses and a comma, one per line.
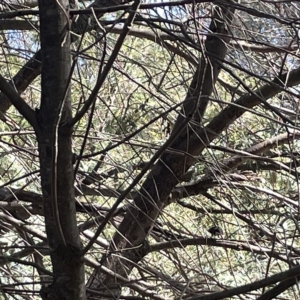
(215,230)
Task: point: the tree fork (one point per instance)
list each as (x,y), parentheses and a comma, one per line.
(129,242)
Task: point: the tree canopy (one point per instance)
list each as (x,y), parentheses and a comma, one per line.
(149,150)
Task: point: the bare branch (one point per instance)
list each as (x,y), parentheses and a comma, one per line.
(18,102)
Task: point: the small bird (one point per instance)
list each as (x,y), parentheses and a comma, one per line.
(215,230)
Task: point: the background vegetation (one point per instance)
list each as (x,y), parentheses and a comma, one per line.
(128,130)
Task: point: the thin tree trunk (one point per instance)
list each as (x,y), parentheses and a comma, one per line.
(54,142)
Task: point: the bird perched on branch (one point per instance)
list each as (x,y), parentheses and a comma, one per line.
(215,230)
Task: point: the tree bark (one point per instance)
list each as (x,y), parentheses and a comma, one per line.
(54,143)
(32,69)
(165,174)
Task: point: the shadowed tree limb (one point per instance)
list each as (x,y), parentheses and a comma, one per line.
(32,69)
(19,103)
(280,277)
(164,176)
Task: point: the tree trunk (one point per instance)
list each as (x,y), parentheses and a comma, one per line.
(167,172)
(54,142)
